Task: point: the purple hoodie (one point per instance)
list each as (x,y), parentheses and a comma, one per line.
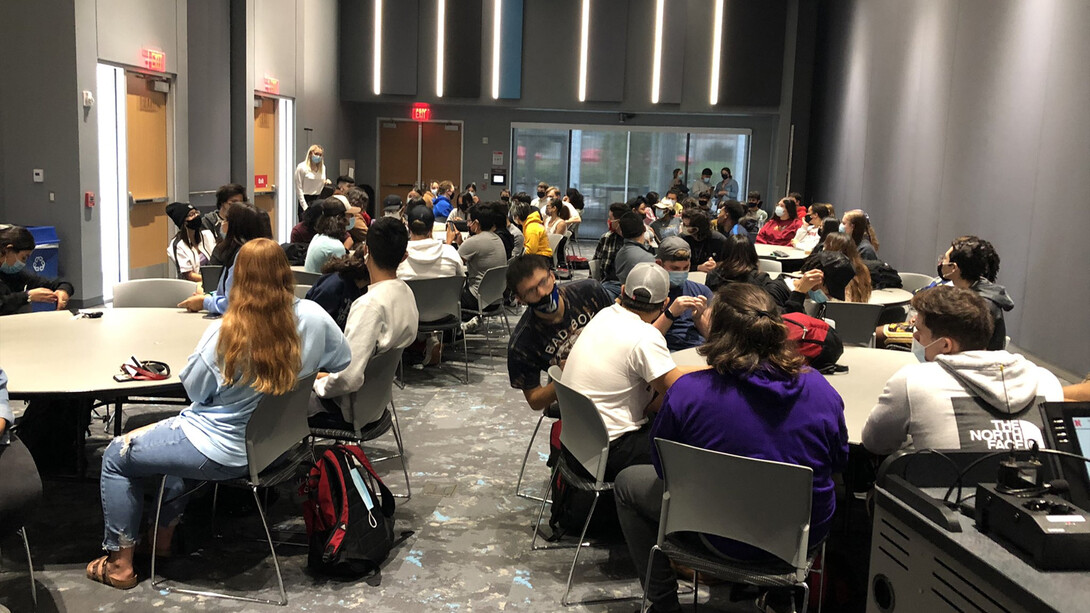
(765,415)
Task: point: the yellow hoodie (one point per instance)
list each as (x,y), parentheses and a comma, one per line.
(537,241)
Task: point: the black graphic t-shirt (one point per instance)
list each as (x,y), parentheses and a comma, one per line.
(536,345)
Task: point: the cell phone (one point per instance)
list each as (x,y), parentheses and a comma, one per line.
(89,314)
(122,377)
(460,225)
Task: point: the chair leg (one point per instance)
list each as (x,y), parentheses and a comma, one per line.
(215,500)
(575,559)
(541,512)
(647,579)
(272,548)
(401,452)
(155,530)
(525,459)
(805,596)
(821,575)
(465,353)
(30,567)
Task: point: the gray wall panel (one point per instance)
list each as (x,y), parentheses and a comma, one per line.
(125,27)
(401,52)
(209,35)
(319,105)
(606,51)
(275,52)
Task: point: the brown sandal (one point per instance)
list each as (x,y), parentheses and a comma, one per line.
(96,571)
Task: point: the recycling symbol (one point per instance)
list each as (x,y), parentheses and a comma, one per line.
(39,263)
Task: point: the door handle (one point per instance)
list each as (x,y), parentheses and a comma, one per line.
(132,201)
(147,200)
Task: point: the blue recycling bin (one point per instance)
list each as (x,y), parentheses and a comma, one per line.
(44,261)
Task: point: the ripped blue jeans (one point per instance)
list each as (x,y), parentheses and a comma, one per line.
(135,460)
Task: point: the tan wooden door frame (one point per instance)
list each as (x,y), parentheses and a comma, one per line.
(421,158)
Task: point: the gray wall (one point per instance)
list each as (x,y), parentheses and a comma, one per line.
(319,105)
(942,118)
(209,37)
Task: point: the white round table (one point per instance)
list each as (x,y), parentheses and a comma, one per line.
(793,254)
(52,353)
(891,296)
(860,387)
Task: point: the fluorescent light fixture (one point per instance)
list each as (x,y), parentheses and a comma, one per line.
(656,66)
(717,50)
(497,13)
(584,38)
(440,40)
(376,35)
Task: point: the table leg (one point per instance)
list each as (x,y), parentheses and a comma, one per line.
(84,413)
(118,416)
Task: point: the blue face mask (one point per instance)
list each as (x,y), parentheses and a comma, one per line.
(678,278)
(548,304)
(818,296)
(11,269)
(841,229)
(920,351)
(316,159)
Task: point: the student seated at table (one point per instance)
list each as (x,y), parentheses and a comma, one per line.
(260,347)
(739,265)
(535,239)
(605,253)
(633,251)
(343,280)
(481,252)
(329,242)
(192,246)
(856,224)
(621,361)
(757,399)
(962,396)
(244,223)
(383,319)
(18,286)
(825,277)
(782,226)
(705,243)
(303,232)
(859,289)
(729,220)
(972,263)
(809,234)
(226,195)
(549,327)
(428,258)
(682,323)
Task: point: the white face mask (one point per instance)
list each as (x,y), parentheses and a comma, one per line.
(920,351)
(779,211)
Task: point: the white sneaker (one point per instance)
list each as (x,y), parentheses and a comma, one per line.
(471,325)
(433,350)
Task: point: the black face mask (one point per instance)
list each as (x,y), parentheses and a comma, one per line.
(938,268)
(725,177)
(193,224)
(540,194)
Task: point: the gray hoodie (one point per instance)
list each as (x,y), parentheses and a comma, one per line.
(996,298)
(979,400)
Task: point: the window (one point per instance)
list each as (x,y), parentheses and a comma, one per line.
(540,155)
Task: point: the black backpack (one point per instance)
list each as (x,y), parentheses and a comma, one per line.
(882,275)
(351,531)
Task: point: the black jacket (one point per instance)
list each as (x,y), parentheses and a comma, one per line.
(13,289)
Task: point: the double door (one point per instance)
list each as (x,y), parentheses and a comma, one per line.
(415,153)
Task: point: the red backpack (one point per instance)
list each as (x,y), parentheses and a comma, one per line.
(351,532)
(817,341)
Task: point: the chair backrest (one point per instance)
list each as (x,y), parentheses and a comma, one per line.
(698,277)
(276,425)
(584,434)
(303,277)
(758,502)
(301,291)
(439,298)
(492,286)
(595,268)
(912,281)
(766,265)
(22,487)
(573,230)
(145,293)
(210,277)
(372,398)
(556,243)
(855,321)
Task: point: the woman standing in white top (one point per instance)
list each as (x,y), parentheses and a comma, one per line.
(192,246)
(310,177)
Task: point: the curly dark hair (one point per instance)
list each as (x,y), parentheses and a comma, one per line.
(976,258)
(955,313)
(747,333)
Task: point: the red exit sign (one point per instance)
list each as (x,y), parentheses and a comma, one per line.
(420,112)
(154,59)
(272,85)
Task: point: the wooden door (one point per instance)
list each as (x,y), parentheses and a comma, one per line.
(398,162)
(441,153)
(265,185)
(147,153)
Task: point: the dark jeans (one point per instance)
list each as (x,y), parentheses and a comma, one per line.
(638,490)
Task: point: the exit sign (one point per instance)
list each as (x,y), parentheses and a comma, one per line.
(272,85)
(154,59)
(420,112)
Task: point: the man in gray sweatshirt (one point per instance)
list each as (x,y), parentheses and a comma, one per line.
(962,396)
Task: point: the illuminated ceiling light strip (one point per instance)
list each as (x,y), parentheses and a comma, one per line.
(377,37)
(441,42)
(584,38)
(717,47)
(656,66)
(496,18)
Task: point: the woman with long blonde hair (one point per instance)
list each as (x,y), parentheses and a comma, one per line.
(310,178)
(265,342)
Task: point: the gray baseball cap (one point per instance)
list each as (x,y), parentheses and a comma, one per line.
(648,283)
(671,246)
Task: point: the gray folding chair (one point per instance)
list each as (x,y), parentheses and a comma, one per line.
(855,321)
(373,412)
(573,236)
(210,277)
(912,281)
(439,302)
(152,293)
(595,268)
(757,502)
(301,291)
(305,278)
(769,266)
(585,437)
(23,495)
(557,243)
(490,299)
(277,426)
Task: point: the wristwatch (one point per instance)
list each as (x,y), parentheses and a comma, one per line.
(670,315)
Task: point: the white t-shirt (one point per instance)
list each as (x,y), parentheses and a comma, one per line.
(308,182)
(190,259)
(613,361)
